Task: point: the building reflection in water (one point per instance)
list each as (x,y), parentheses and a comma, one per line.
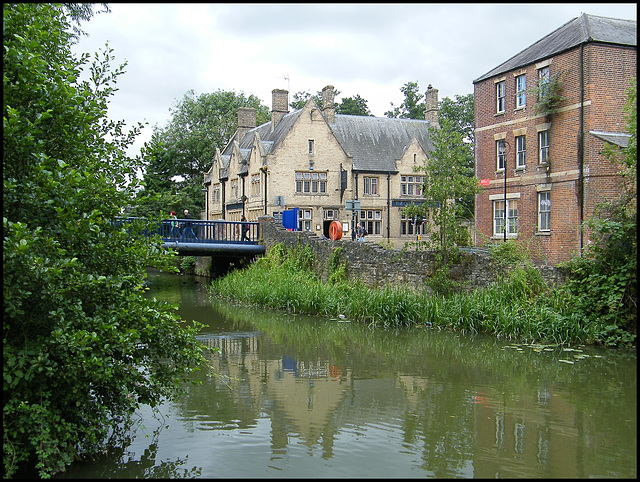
(494,432)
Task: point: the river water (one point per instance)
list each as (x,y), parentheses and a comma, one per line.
(296,396)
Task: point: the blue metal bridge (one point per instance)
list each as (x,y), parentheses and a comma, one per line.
(194,237)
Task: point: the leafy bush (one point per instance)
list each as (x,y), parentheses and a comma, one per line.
(82,347)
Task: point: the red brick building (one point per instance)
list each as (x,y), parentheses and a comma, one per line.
(555,172)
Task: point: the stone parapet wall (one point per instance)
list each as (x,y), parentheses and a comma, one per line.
(376,266)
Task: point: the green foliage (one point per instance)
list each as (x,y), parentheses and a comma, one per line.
(82,347)
(183,150)
(187,264)
(411,107)
(353,106)
(509,253)
(448,179)
(548,95)
(337,268)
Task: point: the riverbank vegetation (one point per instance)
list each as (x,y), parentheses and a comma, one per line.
(82,347)
(520,307)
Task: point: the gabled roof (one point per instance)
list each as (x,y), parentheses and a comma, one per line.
(374,143)
(581,30)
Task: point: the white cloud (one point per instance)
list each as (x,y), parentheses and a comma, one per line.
(370,50)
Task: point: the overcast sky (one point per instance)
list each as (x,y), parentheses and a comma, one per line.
(370,50)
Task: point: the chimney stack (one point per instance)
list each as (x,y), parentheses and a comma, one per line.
(431,107)
(328,107)
(279,105)
(246,120)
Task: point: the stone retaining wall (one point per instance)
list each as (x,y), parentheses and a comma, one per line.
(377,266)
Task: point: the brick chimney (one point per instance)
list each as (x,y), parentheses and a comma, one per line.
(431,107)
(279,105)
(328,107)
(246,120)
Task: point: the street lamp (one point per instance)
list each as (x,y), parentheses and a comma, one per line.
(503,150)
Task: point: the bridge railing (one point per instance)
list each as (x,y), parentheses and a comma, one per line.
(199,231)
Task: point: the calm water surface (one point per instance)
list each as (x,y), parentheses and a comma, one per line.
(298,396)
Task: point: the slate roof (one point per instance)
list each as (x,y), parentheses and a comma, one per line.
(620,140)
(580,30)
(375,143)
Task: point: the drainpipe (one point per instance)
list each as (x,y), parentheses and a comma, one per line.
(356,196)
(388,205)
(581,150)
(264,170)
(224,184)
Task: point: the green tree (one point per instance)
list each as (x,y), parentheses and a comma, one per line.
(459,115)
(183,150)
(411,107)
(353,106)
(82,347)
(447,182)
(603,281)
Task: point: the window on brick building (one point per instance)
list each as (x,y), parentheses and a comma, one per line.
(521,151)
(370,186)
(543,149)
(512,217)
(501,156)
(544,78)
(544,211)
(500,96)
(521,91)
(311,146)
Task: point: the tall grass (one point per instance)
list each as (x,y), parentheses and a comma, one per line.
(520,307)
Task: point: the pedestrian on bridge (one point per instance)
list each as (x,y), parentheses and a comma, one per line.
(174,231)
(245,229)
(187,229)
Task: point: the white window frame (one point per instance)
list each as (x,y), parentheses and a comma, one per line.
(372,219)
(500,96)
(501,158)
(311,147)
(216,194)
(543,147)
(512,217)
(411,185)
(310,182)
(544,78)
(305,219)
(544,211)
(370,185)
(521,151)
(521,91)
(408,227)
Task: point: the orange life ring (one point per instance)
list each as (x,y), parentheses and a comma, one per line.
(335,230)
